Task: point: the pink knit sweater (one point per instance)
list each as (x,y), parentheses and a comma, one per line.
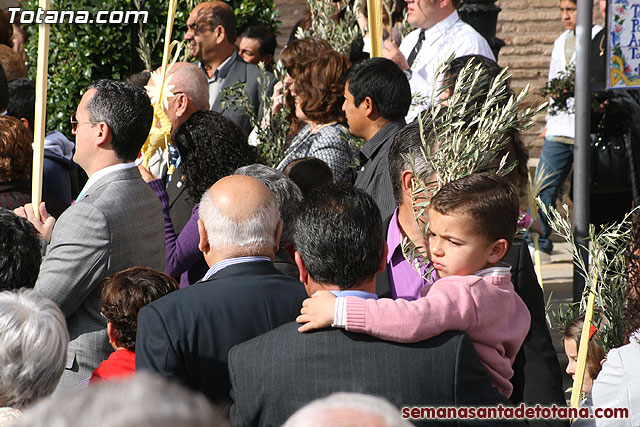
(486,308)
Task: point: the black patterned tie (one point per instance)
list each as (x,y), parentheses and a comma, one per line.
(416,48)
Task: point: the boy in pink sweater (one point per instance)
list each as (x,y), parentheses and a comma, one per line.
(472,224)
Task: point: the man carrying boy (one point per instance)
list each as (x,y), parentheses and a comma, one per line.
(472,224)
(340,247)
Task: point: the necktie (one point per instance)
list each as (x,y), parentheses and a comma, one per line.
(416,48)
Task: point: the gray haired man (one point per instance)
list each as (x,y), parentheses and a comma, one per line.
(186,335)
(289,197)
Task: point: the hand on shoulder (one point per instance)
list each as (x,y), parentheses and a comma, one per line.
(317,311)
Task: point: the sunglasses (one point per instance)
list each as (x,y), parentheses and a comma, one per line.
(74,123)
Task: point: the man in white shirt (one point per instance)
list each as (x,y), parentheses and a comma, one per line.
(439,33)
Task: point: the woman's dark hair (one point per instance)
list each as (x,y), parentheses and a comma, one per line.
(298,51)
(125,293)
(211,147)
(320,87)
(16,153)
(632,297)
(309,173)
(293,56)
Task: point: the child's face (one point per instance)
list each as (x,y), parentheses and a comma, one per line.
(571,350)
(456,248)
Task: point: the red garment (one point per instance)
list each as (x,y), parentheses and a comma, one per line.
(121,363)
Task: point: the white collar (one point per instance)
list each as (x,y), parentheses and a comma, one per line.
(103,172)
(498,270)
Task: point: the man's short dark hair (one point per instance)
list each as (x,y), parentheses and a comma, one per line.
(384,82)
(20,252)
(339,236)
(125,293)
(407,144)
(488,198)
(128,112)
(308,173)
(266,37)
(22,100)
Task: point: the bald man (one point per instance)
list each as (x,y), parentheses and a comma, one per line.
(191,94)
(186,335)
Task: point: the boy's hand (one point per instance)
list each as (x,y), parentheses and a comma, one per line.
(317,311)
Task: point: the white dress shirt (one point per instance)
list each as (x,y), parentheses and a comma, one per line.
(451,35)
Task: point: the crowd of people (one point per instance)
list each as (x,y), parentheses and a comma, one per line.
(206,288)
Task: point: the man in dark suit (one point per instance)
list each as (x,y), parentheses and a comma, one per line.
(186,335)
(377,97)
(211,33)
(340,247)
(537,376)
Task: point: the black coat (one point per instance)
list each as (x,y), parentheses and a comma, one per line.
(186,335)
(277,373)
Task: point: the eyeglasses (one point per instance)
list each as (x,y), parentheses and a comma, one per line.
(75,123)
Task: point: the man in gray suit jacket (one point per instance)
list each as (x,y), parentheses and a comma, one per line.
(211,32)
(340,247)
(116,222)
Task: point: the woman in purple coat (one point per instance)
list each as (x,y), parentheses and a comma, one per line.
(211,147)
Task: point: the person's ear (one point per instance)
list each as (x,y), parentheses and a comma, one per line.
(304,274)
(111,333)
(203,243)
(103,133)
(406,178)
(370,108)
(182,104)
(498,251)
(26,123)
(220,34)
(267,59)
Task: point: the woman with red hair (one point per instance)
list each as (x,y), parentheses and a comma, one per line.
(16,156)
(319,93)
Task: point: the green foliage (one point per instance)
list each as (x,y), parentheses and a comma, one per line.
(561,91)
(605,273)
(466,136)
(82,53)
(339,33)
(271,132)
